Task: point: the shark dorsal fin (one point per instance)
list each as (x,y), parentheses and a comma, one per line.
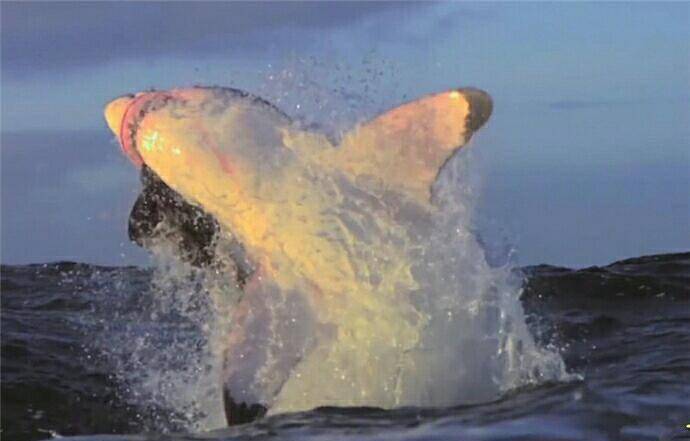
(405,147)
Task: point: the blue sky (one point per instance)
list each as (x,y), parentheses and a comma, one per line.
(586,158)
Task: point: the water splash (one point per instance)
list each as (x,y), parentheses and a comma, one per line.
(450,332)
(331,95)
(165,344)
(485,333)
(453,333)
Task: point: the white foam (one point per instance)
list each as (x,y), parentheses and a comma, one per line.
(454,335)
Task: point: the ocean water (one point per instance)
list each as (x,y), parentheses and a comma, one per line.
(131,353)
(93,353)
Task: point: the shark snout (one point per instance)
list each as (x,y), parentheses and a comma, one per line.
(120,114)
(115,112)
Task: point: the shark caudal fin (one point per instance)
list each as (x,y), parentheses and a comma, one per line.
(406,147)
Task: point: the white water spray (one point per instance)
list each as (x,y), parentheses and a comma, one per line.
(463,335)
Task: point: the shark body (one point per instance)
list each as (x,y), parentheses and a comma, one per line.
(330,234)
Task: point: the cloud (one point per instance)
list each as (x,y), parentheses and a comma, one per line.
(39,36)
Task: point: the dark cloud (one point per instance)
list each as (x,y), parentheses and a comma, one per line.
(43,36)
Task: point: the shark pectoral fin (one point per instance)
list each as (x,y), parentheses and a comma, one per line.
(271,333)
(405,147)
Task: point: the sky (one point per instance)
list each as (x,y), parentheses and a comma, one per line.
(585,160)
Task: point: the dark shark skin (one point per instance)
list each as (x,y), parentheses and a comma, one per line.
(160,214)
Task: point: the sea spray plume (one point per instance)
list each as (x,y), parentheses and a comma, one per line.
(362,291)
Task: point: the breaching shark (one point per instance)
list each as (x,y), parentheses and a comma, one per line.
(325,235)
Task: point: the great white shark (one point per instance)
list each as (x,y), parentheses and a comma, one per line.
(325,235)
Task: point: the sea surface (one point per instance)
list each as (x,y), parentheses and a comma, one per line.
(623,331)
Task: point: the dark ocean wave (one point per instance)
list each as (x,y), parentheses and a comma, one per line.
(625,328)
